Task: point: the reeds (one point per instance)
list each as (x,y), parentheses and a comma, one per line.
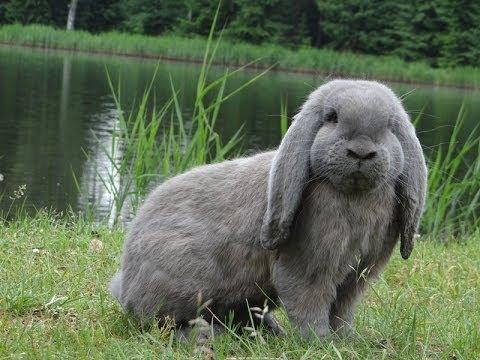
(152,144)
(453,200)
(325,61)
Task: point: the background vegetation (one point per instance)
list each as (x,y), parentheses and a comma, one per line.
(326,61)
(442,33)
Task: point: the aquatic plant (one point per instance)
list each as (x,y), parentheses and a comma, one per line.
(453,201)
(154,143)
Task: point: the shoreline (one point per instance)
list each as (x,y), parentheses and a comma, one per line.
(274,68)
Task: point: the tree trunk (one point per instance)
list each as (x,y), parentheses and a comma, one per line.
(72,10)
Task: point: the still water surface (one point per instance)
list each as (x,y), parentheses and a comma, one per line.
(52,104)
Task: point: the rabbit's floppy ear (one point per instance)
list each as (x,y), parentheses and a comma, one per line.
(289,174)
(411,185)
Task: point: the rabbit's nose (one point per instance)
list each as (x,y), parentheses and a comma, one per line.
(361,154)
(361,148)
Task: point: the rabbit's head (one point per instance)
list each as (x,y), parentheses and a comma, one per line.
(355,148)
(357,136)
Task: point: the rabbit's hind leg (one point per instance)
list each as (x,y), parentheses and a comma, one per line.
(264,317)
(271,323)
(198,331)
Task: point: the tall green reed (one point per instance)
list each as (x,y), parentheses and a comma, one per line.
(150,145)
(283,117)
(453,201)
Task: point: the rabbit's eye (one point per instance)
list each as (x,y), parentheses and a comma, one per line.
(332,117)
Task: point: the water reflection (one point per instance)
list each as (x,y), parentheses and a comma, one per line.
(100,180)
(55,107)
(67,73)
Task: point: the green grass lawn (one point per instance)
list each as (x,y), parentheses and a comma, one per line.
(327,62)
(54,303)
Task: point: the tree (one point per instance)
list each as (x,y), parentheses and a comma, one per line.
(276,21)
(441,32)
(97,16)
(27,11)
(199,14)
(152,16)
(374,27)
(461,45)
(71,14)
(429,25)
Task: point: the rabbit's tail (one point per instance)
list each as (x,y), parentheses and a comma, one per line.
(115,287)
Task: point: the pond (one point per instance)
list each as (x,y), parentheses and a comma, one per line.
(56,107)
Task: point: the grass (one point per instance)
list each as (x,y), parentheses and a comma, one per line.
(54,303)
(304,59)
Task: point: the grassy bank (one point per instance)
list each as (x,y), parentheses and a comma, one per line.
(54,303)
(323,61)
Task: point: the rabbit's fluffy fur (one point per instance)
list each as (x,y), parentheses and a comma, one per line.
(306,225)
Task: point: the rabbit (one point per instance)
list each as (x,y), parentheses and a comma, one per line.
(305,226)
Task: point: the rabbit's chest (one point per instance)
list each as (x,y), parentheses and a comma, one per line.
(338,229)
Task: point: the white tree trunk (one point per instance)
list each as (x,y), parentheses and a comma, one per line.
(71,14)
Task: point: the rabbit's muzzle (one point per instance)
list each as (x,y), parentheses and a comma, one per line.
(358,166)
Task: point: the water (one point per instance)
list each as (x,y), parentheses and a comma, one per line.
(56,107)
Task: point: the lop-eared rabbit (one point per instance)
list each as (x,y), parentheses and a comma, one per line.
(306,225)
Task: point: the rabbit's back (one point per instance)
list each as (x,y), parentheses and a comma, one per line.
(228,197)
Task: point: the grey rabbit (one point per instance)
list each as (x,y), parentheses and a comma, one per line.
(305,226)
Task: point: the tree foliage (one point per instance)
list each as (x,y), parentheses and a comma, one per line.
(441,32)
